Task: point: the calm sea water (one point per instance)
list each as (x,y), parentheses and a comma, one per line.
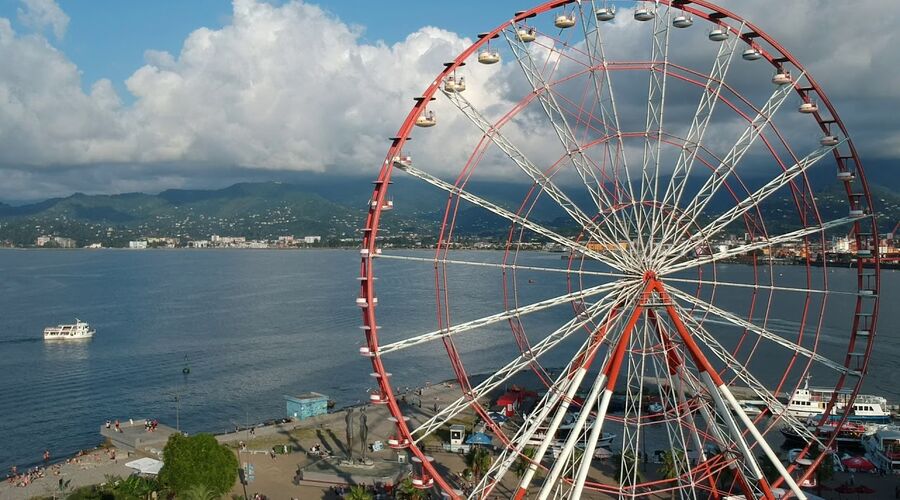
(256,325)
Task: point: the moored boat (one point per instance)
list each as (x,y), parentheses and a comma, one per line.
(80,330)
(811,401)
(882,445)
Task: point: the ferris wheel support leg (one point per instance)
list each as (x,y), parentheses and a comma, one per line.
(574,384)
(608,378)
(551,430)
(718,389)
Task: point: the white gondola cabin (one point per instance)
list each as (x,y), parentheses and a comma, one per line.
(643,14)
(846,176)
(829,140)
(808,108)
(564,21)
(488,56)
(426,119)
(682,21)
(751,54)
(605,13)
(718,35)
(526,34)
(782,77)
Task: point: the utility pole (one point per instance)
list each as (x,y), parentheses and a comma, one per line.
(177,413)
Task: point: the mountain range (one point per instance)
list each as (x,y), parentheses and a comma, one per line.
(333,208)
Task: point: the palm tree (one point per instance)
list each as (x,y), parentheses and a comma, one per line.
(406,491)
(197,492)
(670,465)
(358,492)
(479,460)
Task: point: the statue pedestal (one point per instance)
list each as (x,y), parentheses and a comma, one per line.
(343,472)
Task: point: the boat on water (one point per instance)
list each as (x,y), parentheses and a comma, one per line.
(80,330)
(882,445)
(811,401)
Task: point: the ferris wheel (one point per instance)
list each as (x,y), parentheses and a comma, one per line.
(676,181)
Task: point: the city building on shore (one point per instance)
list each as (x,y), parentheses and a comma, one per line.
(55,242)
(137,244)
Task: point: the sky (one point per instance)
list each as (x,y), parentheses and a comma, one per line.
(104,96)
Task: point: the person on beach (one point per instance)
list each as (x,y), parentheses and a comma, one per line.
(46,456)
(118,429)
(108,424)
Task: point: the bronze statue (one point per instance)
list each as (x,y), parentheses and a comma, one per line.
(349,420)
(363,432)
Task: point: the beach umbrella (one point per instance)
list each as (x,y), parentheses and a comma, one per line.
(863,489)
(858,463)
(479,438)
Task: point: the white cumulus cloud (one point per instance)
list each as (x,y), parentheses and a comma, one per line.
(292,87)
(40,14)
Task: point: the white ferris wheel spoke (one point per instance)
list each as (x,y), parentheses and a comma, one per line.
(499,317)
(729,163)
(520,363)
(758,245)
(561,127)
(764,333)
(539,178)
(505,267)
(517,312)
(607,258)
(606,98)
(757,286)
(699,124)
(751,201)
(656,103)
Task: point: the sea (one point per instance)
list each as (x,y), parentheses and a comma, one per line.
(256,325)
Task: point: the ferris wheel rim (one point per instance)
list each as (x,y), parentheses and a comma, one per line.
(373,220)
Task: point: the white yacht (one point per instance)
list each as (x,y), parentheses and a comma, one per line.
(811,401)
(77,331)
(882,446)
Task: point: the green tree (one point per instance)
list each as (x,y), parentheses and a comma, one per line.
(825,471)
(359,492)
(479,460)
(407,491)
(524,461)
(670,464)
(197,461)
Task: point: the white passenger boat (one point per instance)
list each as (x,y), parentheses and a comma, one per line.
(882,446)
(77,331)
(811,401)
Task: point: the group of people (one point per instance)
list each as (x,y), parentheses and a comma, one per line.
(150,425)
(117,426)
(29,476)
(316,450)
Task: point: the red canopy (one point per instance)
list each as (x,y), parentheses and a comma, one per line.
(858,463)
